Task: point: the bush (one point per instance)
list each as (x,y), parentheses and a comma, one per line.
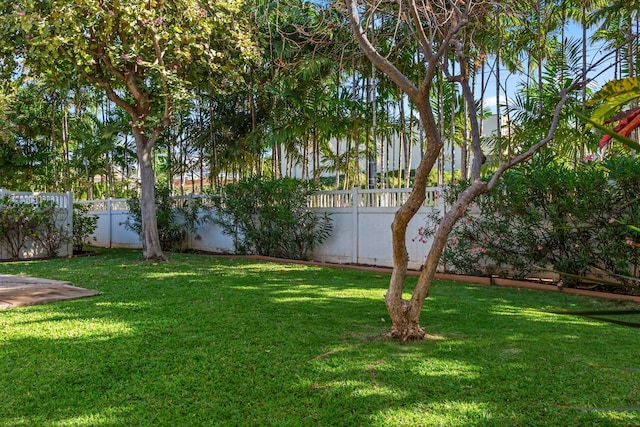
(175,218)
(270,217)
(84,225)
(546,216)
(41,222)
(50,229)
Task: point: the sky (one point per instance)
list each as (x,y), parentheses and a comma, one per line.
(512,81)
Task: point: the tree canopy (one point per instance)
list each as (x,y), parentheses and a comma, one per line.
(146,57)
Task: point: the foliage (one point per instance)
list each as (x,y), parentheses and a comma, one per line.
(550,217)
(176,217)
(297,350)
(17,223)
(41,222)
(84,225)
(270,217)
(152,51)
(613,97)
(50,230)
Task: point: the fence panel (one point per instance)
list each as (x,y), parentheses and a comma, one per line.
(111,231)
(361,226)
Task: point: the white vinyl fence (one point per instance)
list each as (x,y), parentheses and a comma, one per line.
(64,203)
(361,226)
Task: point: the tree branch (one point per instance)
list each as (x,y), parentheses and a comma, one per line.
(564,97)
(378,60)
(111,94)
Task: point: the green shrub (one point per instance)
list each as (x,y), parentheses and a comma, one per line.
(84,225)
(270,217)
(50,229)
(175,217)
(17,224)
(546,216)
(41,222)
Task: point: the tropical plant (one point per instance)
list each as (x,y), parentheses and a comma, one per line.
(50,229)
(551,217)
(41,223)
(18,223)
(612,98)
(270,217)
(84,225)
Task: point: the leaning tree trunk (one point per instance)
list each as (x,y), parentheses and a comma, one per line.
(149,234)
(405,314)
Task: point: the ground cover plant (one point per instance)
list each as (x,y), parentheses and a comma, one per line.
(202,340)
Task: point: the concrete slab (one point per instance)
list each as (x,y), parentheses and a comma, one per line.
(17,291)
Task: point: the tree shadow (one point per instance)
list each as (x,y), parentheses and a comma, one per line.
(241,343)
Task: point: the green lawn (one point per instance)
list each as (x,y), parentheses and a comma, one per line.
(215,341)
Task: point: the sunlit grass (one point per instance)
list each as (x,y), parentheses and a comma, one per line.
(202,340)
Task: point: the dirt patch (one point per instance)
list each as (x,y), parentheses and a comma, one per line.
(17,291)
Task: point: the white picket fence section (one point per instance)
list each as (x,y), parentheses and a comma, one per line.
(361,226)
(64,202)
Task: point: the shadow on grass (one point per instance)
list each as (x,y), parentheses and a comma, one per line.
(206,341)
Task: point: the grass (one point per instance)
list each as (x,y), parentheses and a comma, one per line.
(205,341)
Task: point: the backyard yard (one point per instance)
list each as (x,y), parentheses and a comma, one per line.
(204,340)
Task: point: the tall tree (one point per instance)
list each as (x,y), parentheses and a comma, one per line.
(144,55)
(440,27)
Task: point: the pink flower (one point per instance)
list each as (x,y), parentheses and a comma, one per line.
(589,158)
(124,56)
(454,241)
(477,250)
(139,60)
(560,284)
(21,13)
(612,220)
(540,248)
(159,20)
(28,36)
(111,12)
(629,242)
(577,246)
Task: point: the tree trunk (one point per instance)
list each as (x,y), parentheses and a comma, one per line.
(150,239)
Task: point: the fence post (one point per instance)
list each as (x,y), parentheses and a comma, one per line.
(189,233)
(70,222)
(109,215)
(355,253)
(440,204)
